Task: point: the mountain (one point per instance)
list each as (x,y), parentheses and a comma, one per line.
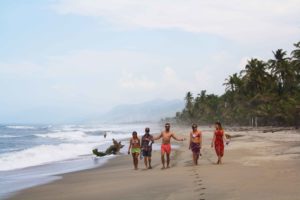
(149,111)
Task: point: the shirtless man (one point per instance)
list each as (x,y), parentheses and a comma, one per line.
(166,145)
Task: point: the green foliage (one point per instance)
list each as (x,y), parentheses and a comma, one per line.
(266,92)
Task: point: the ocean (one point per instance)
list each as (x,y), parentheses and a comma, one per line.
(36,154)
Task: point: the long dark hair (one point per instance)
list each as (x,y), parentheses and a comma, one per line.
(220,125)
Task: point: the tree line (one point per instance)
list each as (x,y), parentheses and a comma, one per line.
(264,93)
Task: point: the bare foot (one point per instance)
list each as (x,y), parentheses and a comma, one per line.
(163,167)
(168,167)
(149,167)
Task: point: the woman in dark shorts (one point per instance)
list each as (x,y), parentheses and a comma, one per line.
(195,143)
(147,141)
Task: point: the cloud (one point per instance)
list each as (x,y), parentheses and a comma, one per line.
(172,82)
(21,69)
(83,77)
(128,81)
(96,79)
(243,21)
(170,75)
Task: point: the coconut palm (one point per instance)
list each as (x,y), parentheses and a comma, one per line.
(232,83)
(283,71)
(266,91)
(255,76)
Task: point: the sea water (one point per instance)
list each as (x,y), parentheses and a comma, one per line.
(36,154)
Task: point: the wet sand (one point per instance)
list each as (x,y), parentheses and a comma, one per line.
(256,166)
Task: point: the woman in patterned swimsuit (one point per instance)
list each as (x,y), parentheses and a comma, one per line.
(195,143)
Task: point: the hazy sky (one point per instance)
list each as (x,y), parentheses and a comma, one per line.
(85,56)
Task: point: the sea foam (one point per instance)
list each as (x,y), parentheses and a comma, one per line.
(73,144)
(42,154)
(21,127)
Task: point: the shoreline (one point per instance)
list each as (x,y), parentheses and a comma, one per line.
(44,174)
(256,165)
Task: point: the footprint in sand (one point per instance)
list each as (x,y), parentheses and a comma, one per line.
(200,189)
(198,181)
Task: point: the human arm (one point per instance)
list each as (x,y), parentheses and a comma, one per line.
(226,141)
(213,140)
(190,141)
(201,139)
(176,138)
(157,137)
(130,143)
(151,141)
(139,143)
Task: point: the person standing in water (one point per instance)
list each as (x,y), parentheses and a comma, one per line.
(218,141)
(195,143)
(135,147)
(166,144)
(147,141)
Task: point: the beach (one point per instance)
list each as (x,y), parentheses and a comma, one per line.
(256,165)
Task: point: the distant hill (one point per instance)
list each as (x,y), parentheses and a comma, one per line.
(149,111)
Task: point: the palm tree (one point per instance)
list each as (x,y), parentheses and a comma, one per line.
(255,76)
(267,91)
(296,52)
(232,83)
(189,105)
(282,70)
(296,61)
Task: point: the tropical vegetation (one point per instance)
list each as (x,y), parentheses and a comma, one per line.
(265,92)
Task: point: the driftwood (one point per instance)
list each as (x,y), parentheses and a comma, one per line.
(277,130)
(232,136)
(241,129)
(113,149)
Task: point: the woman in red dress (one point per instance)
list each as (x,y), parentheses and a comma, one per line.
(218,141)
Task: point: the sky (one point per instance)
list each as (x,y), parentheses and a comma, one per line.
(65,59)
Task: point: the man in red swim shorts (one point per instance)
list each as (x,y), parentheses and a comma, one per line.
(166,145)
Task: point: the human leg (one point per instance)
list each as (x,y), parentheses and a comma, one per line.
(168,160)
(163,160)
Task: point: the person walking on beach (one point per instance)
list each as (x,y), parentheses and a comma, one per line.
(135,147)
(147,141)
(195,143)
(166,144)
(218,141)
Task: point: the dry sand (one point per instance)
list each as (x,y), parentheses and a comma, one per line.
(256,166)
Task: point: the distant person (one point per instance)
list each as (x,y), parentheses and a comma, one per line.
(195,143)
(166,145)
(147,141)
(135,147)
(105,135)
(218,141)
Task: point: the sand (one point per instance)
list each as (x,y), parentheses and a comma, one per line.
(256,166)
